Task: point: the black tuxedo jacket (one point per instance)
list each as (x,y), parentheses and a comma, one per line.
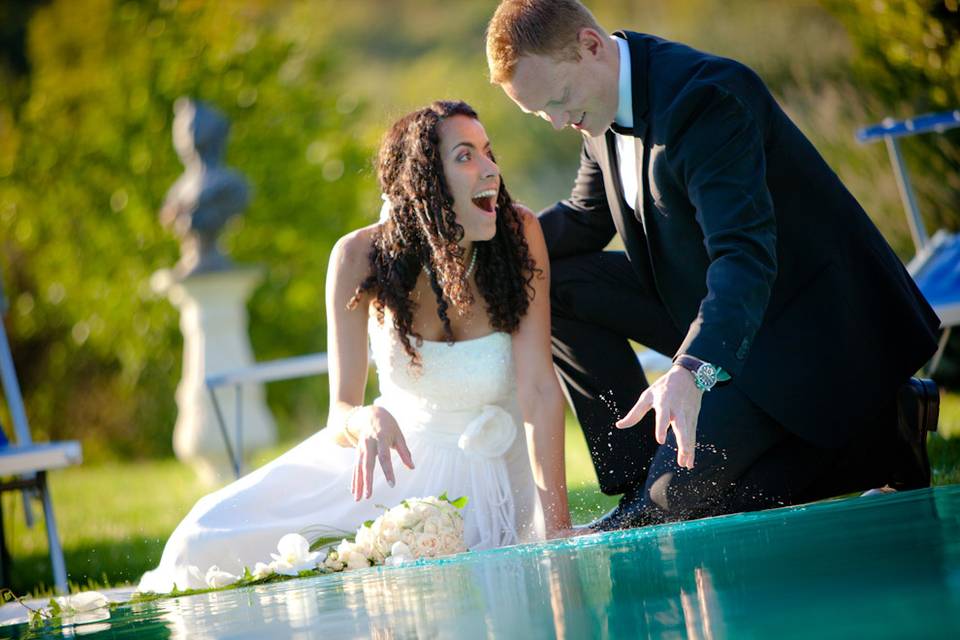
(759,254)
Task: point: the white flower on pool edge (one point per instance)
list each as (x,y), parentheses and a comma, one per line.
(263,570)
(82,602)
(295,555)
(216,578)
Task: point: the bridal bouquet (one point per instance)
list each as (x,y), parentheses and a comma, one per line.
(416,528)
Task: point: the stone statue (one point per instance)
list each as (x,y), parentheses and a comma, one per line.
(208,194)
(211,294)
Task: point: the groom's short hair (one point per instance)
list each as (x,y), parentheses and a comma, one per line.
(534,27)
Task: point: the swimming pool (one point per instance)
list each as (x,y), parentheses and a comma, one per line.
(879,567)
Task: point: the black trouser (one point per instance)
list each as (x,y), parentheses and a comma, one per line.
(744,459)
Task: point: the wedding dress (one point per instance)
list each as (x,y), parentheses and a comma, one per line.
(460,419)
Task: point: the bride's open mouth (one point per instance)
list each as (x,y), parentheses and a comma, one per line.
(486,200)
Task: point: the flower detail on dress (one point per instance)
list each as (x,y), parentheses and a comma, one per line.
(490,434)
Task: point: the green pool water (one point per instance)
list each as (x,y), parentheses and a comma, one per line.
(876,567)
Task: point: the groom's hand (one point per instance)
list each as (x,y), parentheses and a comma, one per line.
(676,400)
(379,436)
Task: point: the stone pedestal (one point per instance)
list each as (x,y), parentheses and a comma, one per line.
(213,320)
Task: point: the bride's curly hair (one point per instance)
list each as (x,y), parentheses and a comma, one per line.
(422,229)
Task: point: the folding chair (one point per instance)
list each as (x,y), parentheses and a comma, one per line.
(24,463)
(936,265)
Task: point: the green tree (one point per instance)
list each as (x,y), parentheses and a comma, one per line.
(908,56)
(89,161)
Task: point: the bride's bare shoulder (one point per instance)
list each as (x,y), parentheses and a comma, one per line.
(350,257)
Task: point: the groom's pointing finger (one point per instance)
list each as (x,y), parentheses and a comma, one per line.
(663,421)
(637,412)
(686,442)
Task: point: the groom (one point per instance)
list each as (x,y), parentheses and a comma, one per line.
(794,326)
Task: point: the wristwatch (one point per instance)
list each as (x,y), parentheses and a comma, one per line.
(705,375)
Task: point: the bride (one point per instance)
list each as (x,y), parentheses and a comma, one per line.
(451,289)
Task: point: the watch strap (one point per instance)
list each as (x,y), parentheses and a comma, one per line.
(705,374)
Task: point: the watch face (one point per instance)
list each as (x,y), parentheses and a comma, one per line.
(707,375)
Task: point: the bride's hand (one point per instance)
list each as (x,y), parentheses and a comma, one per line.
(569,532)
(380,433)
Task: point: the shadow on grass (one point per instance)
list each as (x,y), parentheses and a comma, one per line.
(100,565)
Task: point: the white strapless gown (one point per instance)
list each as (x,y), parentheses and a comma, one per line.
(461,422)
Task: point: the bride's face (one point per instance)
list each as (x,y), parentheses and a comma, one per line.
(472,176)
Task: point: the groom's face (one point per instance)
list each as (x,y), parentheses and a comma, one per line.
(582,93)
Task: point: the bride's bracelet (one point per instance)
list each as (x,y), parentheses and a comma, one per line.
(351,438)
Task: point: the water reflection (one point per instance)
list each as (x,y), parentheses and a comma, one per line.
(887,566)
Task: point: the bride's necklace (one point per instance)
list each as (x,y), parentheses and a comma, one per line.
(473,263)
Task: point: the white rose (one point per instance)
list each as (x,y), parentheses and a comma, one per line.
(333,561)
(368,548)
(423,510)
(356,560)
(365,539)
(390,533)
(374,529)
(426,545)
(216,578)
(408,537)
(400,553)
(400,549)
(345,548)
(407,517)
(447,544)
(434,524)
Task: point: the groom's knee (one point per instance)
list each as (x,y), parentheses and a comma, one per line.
(561,278)
(574,282)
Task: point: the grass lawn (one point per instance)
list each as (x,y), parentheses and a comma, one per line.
(114,519)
